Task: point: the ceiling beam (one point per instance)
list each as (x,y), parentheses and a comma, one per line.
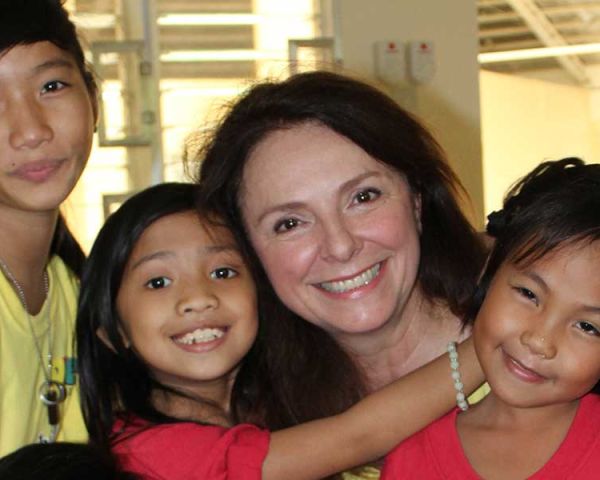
(549,36)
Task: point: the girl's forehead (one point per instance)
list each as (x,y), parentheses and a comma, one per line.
(182,230)
(537,250)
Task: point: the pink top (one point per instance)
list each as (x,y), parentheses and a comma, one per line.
(436,451)
(190,451)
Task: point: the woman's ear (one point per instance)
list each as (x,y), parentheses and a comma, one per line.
(103,336)
(416,199)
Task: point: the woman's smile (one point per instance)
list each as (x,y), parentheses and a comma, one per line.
(354,283)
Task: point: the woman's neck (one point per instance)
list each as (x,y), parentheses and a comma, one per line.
(416,336)
(24,248)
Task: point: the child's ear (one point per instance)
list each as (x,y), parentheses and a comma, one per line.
(103,336)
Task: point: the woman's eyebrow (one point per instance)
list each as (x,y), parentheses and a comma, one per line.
(353,182)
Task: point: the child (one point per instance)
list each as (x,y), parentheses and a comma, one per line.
(537,337)
(47,116)
(166,331)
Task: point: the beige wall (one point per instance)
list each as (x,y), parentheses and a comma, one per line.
(449,105)
(526,121)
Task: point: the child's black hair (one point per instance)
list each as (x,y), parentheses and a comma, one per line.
(554,206)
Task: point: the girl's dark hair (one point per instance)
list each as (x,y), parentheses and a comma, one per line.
(451,251)
(115,380)
(554,206)
(24,22)
(61,461)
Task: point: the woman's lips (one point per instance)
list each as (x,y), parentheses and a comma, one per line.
(521,371)
(360,282)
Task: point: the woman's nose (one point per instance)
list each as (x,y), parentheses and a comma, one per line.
(29,125)
(540,342)
(197,299)
(340,241)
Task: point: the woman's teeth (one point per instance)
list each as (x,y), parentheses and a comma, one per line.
(347,285)
(201,335)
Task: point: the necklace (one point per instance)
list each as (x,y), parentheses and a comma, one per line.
(52,392)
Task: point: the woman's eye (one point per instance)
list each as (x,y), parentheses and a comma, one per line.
(158,282)
(223,273)
(53,86)
(286,225)
(588,328)
(367,195)
(528,294)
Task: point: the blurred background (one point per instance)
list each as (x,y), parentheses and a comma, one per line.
(503,85)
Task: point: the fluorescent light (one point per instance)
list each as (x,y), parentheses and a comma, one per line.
(209,19)
(531,53)
(107,20)
(213,55)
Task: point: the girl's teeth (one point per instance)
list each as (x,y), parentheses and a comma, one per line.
(346,285)
(201,335)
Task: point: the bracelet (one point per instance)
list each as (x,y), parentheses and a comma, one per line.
(461,400)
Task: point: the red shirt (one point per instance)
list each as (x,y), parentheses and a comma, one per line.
(436,452)
(191,451)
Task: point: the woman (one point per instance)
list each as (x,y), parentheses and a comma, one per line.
(350,207)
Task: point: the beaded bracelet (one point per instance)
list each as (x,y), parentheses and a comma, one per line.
(461,400)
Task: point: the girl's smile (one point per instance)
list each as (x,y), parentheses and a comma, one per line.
(187,302)
(521,371)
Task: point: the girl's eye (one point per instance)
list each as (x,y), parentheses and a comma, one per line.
(158,282)
(367,195)
(286,225)
(528,294)
(223,273)
(53,86)
(588,328)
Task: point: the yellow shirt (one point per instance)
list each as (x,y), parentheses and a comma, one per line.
(23,417)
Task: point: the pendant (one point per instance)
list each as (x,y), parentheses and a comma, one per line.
(52,393)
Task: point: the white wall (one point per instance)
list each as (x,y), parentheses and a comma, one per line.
(449,105)
(526,121)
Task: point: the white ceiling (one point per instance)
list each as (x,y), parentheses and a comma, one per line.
(525,24)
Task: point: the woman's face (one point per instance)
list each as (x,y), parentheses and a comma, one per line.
(336,230)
